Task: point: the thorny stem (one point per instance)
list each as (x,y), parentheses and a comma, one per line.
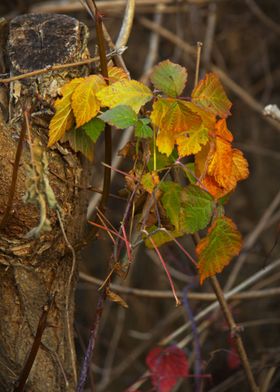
(15,169)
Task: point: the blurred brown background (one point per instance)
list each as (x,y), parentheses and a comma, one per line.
(241,38)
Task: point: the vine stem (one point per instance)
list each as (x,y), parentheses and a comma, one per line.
(235,332)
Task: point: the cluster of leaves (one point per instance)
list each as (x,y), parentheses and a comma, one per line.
(175,128)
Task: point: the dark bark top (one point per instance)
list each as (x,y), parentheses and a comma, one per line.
(40,40)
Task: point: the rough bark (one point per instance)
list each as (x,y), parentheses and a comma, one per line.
(31,269)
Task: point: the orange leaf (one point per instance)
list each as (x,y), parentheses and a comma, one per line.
(215,251)
(220,164)
(222,130)
(210,95)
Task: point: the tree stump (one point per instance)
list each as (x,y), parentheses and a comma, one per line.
(34,269)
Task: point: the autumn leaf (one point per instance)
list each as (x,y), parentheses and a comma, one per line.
(167,366)
(80,141)
(191,142)
(210,95)
(142,129)
(220,163)
(222,130)
(215,251)
(196,209)
(116,74)
(149,181)
(94,128)
(63,120)
(169,78)
(84,101)
(121,116)
(125,92)
(172,117)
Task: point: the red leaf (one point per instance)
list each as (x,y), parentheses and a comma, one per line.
(167,365)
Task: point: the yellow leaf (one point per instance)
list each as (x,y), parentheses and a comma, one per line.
(63,119)
(191,142)
(116,74)
(84,102)
(125,92)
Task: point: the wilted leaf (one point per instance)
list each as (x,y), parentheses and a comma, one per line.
(171,201)
(121,116)
(125,92)
(142,129)
(149,181)
(169,78)
(80,141)
(116,74)
(84,101)
(114,297)
(222,130)
(94,128)
(216,250)
(63,120)
(196,209)
(167,366)
(210,95)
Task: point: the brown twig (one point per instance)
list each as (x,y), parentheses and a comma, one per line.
(235,332)
(52,68)
(15,169)
(35,346)
(167,294)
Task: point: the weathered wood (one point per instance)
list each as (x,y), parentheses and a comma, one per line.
(30,268)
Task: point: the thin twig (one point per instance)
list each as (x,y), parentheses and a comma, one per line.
(167,294)
(15,170)
(54,68)
(68,289)
(235,332)
(197,65)
(35,346)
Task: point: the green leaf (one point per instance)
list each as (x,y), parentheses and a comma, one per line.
(142,129)
(171,201)
(196,209)
(162,159)
(160,237)
(169,78)
(121,116)
(94,128)
(80,141)
(189,170)
(215,251)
